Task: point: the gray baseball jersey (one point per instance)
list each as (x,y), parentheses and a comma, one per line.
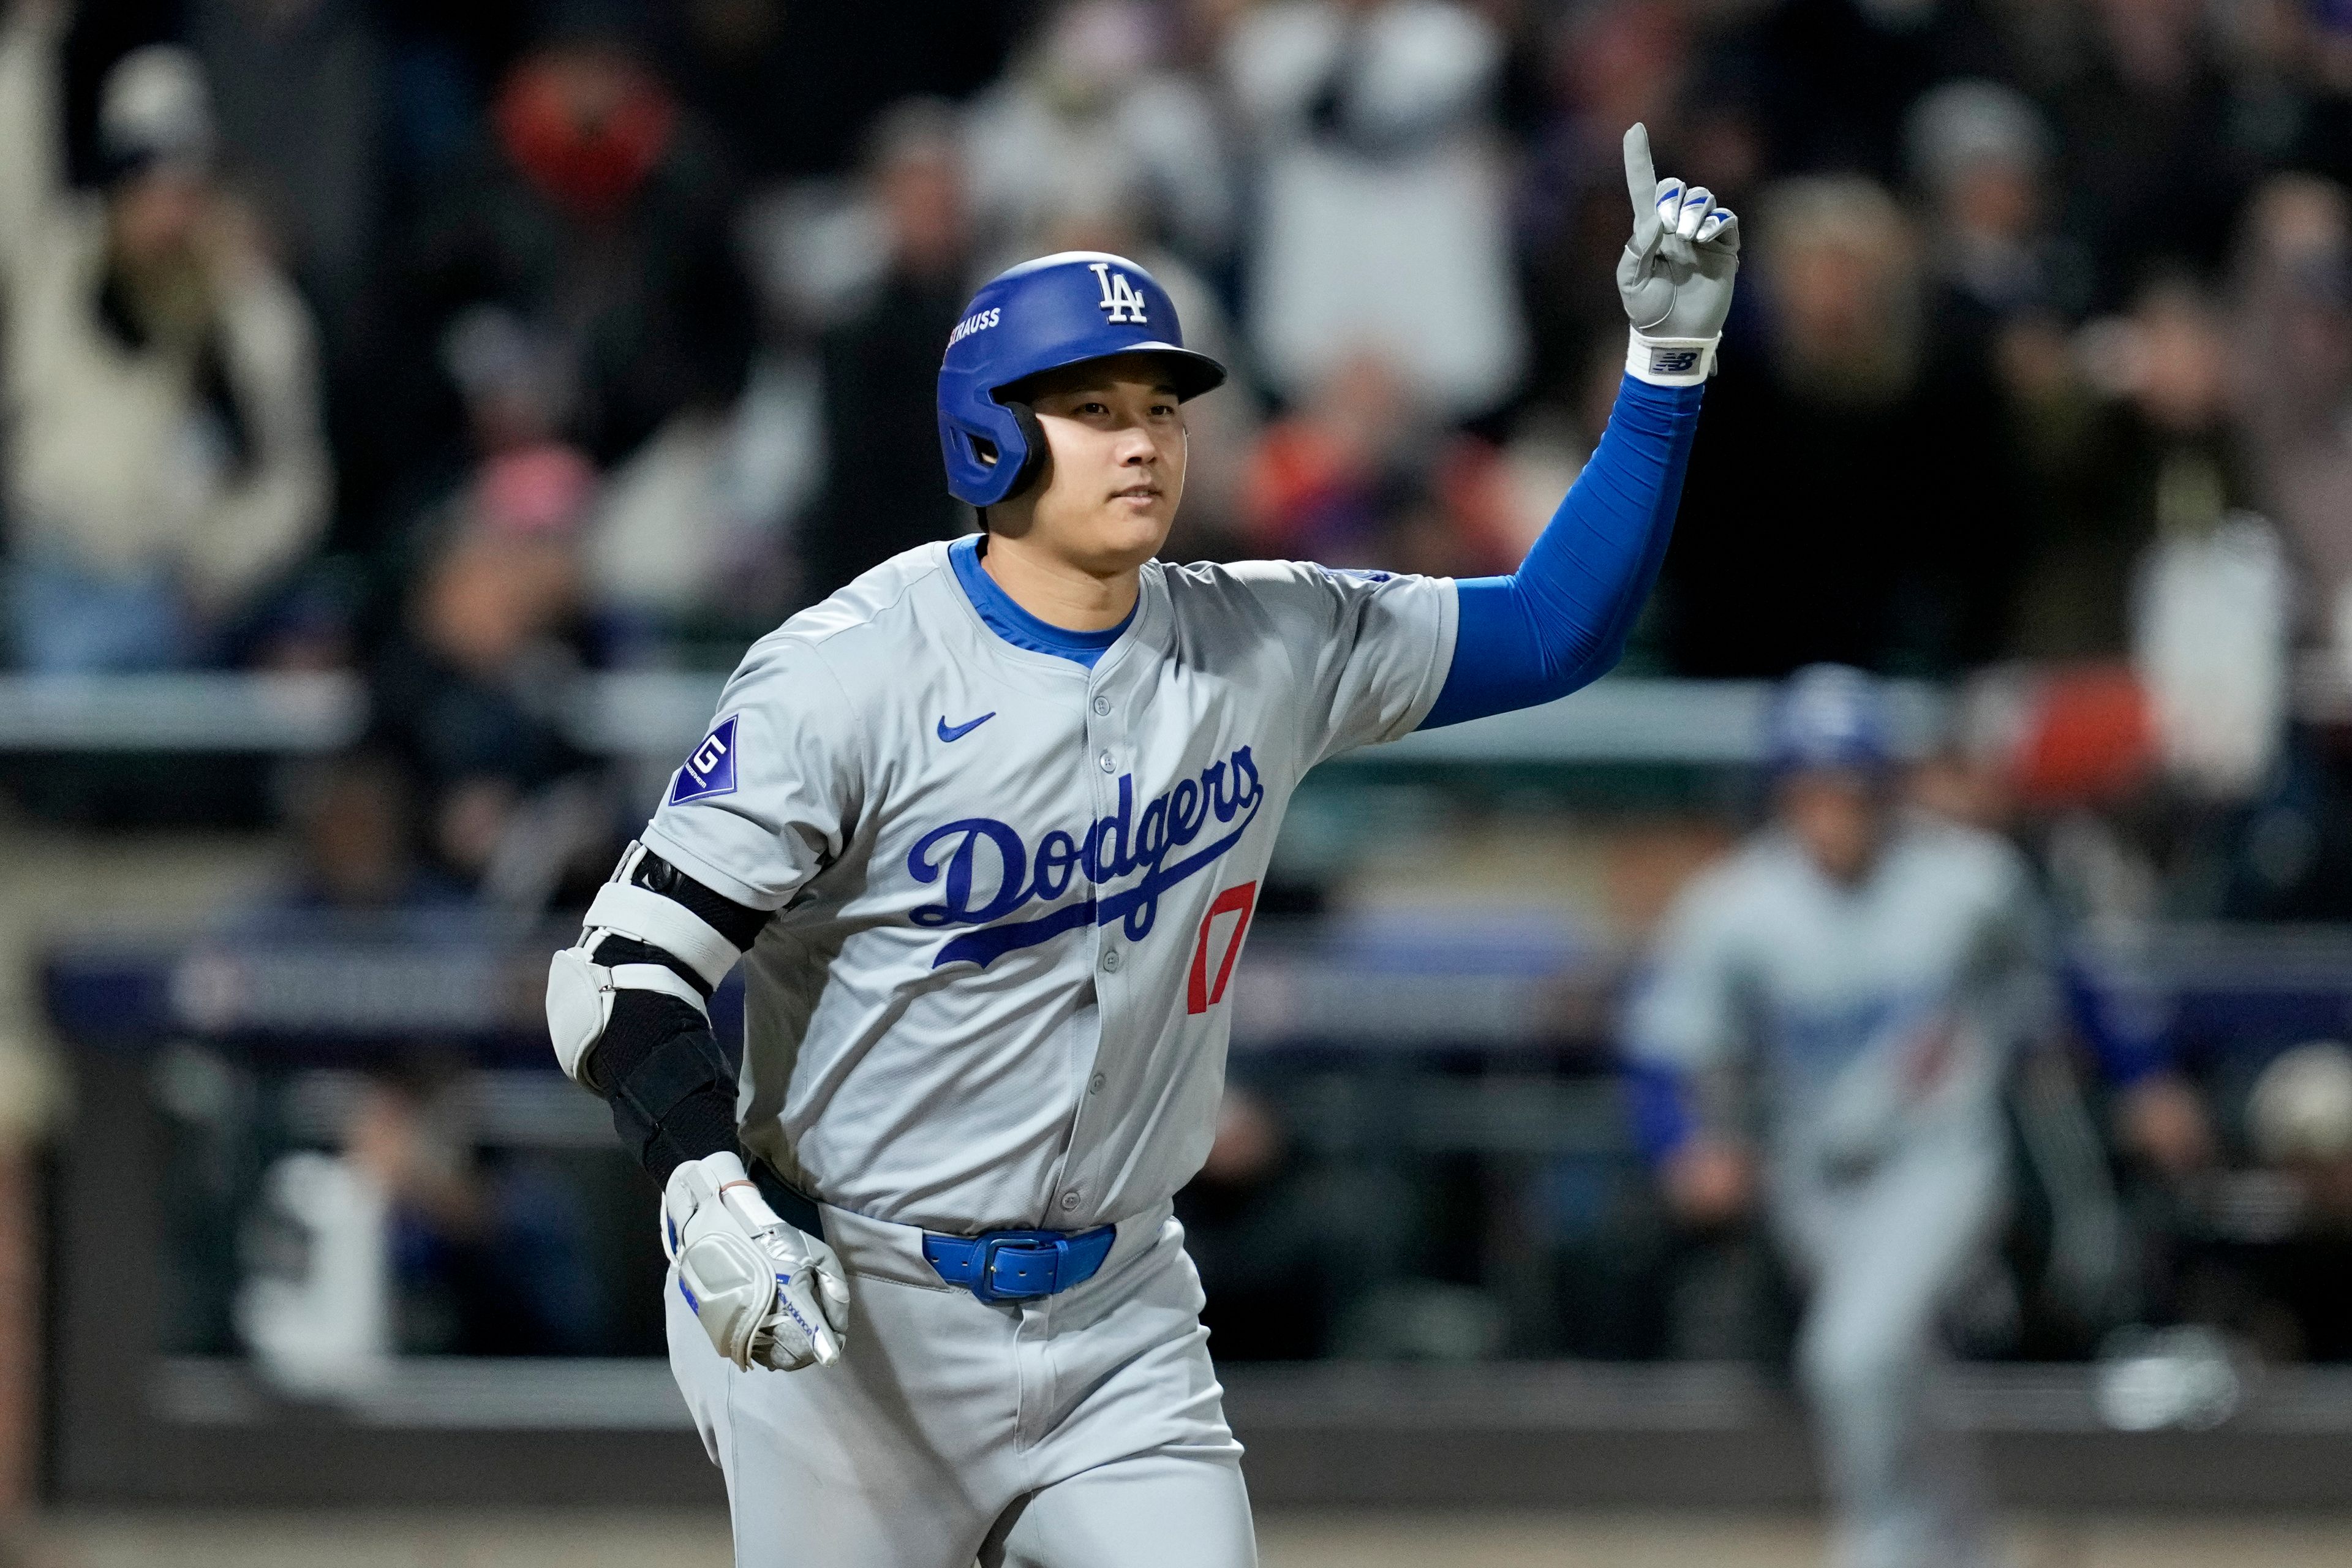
(1013,889)
(1867,1009)
(1881,1018)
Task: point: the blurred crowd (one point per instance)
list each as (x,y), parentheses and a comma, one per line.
(468,347)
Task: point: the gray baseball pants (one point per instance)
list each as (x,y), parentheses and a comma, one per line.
(1883,1252)
(1080,1430)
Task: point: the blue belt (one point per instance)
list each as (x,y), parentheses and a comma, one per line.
(1019,1264)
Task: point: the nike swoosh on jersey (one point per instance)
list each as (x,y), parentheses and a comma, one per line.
(961,731)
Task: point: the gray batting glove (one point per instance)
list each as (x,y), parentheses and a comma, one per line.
(768,1295)
(1676,274)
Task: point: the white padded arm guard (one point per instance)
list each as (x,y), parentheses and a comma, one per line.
(768,1295)
(580,1001)
(580,990)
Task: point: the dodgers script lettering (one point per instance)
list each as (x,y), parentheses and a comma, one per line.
(987,872)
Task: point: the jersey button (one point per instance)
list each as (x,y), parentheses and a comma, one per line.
(1109,763)
(1069,1202)
(1102,705)
(1094,1084)
(1110,961)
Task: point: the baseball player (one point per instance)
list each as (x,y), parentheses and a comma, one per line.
(1873,972)
(987,827)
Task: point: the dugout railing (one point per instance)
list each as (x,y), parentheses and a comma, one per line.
(135,1418)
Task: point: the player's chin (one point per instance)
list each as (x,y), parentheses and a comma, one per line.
(1132,530)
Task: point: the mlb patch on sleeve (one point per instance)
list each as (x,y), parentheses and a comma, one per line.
(711,769)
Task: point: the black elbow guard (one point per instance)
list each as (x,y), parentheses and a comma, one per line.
(671,1090)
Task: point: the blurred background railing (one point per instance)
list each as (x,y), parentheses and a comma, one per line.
(1425,1164)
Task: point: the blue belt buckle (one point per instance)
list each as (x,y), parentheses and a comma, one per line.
(1037,1263)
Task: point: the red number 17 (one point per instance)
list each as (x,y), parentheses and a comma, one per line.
(1199,995)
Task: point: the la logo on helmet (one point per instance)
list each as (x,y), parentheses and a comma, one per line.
(1119,299)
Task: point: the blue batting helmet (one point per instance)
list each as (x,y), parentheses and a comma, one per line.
(1056,310)
(1829,716)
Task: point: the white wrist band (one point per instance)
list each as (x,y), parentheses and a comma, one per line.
(1671,362)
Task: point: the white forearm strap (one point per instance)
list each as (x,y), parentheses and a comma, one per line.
(1670,362)
(643,915)
(658,977)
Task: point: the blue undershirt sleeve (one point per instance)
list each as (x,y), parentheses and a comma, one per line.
(2130,1044)
(1561,621)
(1657,1103)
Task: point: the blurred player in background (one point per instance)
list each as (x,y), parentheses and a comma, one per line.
(1871,972)
(990,825)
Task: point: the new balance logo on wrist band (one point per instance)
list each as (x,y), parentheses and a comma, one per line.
(1670,362)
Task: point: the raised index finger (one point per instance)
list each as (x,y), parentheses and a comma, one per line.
(1641,175)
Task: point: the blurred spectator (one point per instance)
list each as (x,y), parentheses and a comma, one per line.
(487,1259)
(2265,1250)
(2161,1118)
(354,822)
(510,378)
(315,1305)
(1381,221)
(885,490)
(1622,61)
(598,218)
(2291,104)
(2292,312)
(1856,497)
(300,86)
(687,529)
(2285,853)
(514,390)
(2128,437)
(796,89)
(2209,640)
(1089,107)
(2211,601)
(1980,155)
(165,461)
(1831,77)
(691,539)
(1361,475)
(471,692)
(2299,1123)
(2154,164)
(738,66)
(443,59)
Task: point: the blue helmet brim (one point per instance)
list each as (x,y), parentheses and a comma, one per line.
(1190,371)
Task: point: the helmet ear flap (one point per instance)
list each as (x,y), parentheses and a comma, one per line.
(1033,448)
(987,448)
